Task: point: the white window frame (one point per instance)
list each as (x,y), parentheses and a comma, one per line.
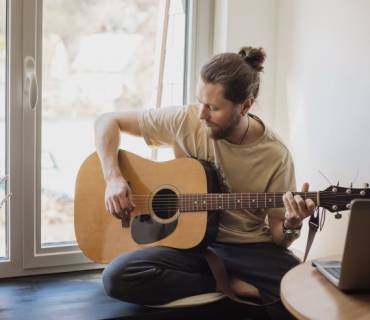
(25,257)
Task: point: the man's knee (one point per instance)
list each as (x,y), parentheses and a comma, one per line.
(124,280)
(111,282)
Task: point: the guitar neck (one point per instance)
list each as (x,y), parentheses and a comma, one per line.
(225,201)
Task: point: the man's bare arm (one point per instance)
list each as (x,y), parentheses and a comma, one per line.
(108,126)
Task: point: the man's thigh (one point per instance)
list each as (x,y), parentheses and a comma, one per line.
(158,275)
(192,260)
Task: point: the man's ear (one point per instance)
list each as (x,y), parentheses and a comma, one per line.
(247,104)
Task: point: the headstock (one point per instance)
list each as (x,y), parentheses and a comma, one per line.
(336,198)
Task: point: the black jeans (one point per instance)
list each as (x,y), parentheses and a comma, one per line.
(158,275)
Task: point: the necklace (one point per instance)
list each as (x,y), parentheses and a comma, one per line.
(246,131)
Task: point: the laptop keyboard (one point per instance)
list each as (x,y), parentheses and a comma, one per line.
(334,271)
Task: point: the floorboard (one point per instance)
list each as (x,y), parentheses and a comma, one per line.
(80,296)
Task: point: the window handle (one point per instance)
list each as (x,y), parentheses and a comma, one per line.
(31,81)
(3,201)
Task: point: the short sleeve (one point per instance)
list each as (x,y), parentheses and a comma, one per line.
(160,127)
(282,181)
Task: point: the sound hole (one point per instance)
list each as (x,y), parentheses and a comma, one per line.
(165,204)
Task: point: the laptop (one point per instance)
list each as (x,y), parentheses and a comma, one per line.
(353,272)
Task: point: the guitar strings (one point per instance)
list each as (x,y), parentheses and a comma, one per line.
(255,205)
(245,195)
(250,200)
(340,199)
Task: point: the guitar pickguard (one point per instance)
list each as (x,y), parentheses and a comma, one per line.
(145,230)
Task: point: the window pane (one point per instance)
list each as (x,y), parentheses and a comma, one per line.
(89,68)
(3,219)
(173,77)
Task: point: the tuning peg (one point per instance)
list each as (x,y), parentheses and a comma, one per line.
(366,185)
(337,215)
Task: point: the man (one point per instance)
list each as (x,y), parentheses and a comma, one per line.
(252,243)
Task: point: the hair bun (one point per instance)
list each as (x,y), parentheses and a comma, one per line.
(255,57)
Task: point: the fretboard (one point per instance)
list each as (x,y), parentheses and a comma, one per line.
(224,201)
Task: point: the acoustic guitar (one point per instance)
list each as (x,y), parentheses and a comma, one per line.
(178,203)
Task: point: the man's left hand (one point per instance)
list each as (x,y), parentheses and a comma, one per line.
(297,209)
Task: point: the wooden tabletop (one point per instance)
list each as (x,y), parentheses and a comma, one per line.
(307,294)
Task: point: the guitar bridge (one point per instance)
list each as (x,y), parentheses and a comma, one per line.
(125,220)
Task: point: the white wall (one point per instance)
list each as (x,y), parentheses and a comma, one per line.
(323,97)
(240,23)
(316,89)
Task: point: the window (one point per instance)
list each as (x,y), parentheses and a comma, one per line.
(87,69)
(3,215)
(83,58)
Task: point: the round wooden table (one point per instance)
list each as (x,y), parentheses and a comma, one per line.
(307,294)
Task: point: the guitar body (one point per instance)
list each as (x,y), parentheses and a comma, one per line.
(102,237)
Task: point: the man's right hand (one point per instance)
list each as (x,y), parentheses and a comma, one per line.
(118,194)
(118,197)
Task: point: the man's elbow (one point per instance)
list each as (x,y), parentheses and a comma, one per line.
(124,121)
(103,119)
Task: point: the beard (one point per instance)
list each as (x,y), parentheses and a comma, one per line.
(218,132)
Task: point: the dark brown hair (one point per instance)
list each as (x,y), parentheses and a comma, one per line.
(238,73)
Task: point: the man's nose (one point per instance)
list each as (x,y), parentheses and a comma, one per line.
(204,115)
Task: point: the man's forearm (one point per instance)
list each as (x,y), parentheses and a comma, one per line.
(107,140)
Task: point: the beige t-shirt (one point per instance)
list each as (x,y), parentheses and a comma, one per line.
(264,165)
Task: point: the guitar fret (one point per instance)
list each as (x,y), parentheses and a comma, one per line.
(255,200)
(236,200)
(270,201)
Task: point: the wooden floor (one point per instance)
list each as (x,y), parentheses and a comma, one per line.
(80,295)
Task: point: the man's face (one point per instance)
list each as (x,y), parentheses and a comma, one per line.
(219,114)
